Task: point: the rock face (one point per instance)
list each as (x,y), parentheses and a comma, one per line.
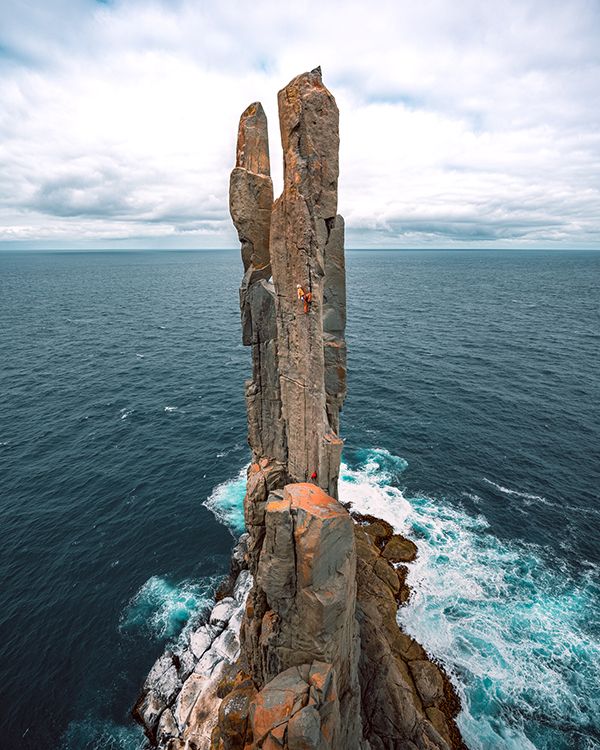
(306,246)
(302,608)
(398,697)
(303,651)
(299,359)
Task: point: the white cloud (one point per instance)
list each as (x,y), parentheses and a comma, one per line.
(466,122)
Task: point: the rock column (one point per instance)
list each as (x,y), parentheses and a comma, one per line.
(303,651)
(306,242)
(250,202)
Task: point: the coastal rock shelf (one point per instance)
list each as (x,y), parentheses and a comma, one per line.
(303,650)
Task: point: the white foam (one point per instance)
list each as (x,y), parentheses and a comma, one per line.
(509,625)
(226,502)
(162,609)
(516,493)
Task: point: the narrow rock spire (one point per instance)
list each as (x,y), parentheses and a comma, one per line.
(306,247)
(250,203)
(251,188)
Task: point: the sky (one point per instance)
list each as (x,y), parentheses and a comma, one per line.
(463,123)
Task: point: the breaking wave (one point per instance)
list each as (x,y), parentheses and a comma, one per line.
(162,609)
(227,502)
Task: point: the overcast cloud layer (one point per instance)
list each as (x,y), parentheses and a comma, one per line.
(462,123)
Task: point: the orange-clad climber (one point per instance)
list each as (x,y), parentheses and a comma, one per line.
(306,297)
(307,300)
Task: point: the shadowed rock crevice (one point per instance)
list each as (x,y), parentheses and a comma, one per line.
(303,650)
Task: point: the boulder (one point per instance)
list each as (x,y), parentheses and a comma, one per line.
(398,549)
(200,641)
(221,614)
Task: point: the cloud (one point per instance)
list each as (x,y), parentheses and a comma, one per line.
(461,123)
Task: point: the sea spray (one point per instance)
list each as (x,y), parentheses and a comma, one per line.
(516,632)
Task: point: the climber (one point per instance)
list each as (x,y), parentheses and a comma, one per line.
(313,476)
(306,297)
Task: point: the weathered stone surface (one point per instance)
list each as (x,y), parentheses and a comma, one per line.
(439,721)
(381,531)
(200,641)
(398,549)
(429,682)
(392,709)
(252,148)
(305,596)
(160,689)
(167,727)
(396,711)
(232,730)
(163,679)
(298,710)
(334,322)
(180,700)
(251,188)
(221,614)
(250,204)
(306,247)
(384,571)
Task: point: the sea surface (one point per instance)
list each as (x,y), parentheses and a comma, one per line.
(472,424)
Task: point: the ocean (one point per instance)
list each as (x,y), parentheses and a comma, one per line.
(472,424)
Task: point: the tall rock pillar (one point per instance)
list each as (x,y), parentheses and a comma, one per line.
(250,203)
(306,249)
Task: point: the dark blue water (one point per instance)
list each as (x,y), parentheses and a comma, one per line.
(472,423)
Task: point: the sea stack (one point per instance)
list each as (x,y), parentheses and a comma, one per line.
(303,651)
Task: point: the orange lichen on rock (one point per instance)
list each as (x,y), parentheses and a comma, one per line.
(312,499)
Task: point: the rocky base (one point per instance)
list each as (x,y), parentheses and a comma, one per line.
(198,695)
(400,683)
(180,700)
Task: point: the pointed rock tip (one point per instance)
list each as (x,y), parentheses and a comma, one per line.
(252,151)
(308,80)
(252,110)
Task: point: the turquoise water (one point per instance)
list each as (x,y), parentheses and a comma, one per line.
(472,425)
